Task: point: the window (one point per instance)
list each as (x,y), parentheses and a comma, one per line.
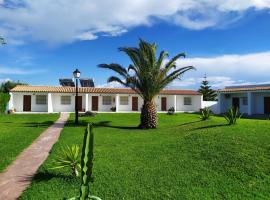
(106,100)
(244,101)
(124,100)
(65,100)
(187,101)
(41,99)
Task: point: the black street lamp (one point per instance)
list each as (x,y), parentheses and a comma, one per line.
(76,75)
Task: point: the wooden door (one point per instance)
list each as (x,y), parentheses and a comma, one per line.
(134,103)
(235,102)
(26,102)
(79,103)
(94,103)
(266,105)
(163,103)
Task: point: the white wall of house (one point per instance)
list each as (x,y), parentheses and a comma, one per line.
(212,105)
(255,102)
(196,103)
(57,106)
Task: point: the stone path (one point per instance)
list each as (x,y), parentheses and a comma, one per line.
(17,177)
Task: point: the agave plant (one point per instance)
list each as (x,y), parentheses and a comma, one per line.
(68,158)
(205,113)
(232,115)
(147,75)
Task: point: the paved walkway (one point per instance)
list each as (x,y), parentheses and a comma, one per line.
(17,177)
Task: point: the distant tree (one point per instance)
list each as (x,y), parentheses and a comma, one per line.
(8,85)
(2,40)
(208,93)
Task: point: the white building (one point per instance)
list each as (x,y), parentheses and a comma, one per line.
(62,99)
(250,99)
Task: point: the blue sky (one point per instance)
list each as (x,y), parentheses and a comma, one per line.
(47,40)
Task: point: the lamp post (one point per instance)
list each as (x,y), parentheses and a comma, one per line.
(76,75)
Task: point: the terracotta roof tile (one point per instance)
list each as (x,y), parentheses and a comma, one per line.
(61,89)
(259,88)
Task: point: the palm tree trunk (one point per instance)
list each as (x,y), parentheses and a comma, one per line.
(148,115)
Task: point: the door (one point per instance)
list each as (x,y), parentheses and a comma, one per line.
(163,103)
(266,105)
(235,102)
(79,103)
(134,103)
(26,102)
(94,103)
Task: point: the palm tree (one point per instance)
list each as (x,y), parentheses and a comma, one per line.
(148,75)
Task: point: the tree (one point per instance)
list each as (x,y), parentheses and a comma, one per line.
(2,40)
(8,85)
(147,75)
(208,93)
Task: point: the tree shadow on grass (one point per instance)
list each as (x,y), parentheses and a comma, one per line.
(108,124)
(46,176)
(189,123)
(29,124)
(210,126)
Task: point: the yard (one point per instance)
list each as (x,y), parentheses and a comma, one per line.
(19,131)
(184,158)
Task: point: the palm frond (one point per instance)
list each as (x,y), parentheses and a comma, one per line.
(115,67)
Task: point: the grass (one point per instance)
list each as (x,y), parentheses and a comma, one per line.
(184,158)
(18,131)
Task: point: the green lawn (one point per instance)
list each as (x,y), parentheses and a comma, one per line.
(18,131)
(184,158)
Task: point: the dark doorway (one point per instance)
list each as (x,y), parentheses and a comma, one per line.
(163,103)
(26,102)
(79,103)
(235,102)
(134,103)
(266,105)
(94,103)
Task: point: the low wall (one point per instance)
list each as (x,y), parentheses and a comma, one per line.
(213,105)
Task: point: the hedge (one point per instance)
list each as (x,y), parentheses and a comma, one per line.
(4,98)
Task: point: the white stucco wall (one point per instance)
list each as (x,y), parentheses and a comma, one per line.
(58,107)
(259,102)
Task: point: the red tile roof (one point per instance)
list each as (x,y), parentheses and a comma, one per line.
(242,89)
(61,89)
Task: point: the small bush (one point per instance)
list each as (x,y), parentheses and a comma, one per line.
(113,109)
(232,115)
(205,113)
(70,158)
(88,114)
(171,111)
(4,98)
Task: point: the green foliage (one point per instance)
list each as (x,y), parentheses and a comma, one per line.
(8,85)
(87,165)
(208,93)
(147,75)
(4,98)
(69,157)
(171,111)
(205,113)
(232,115)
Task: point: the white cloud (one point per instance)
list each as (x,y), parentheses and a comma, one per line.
(63,21)
(110,85)
(227,70)
(3,80)
(16,71)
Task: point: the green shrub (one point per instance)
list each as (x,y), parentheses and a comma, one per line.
(87,165)
(232,115)
(205,113)
(4,98)
(171,111)
(69,157)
